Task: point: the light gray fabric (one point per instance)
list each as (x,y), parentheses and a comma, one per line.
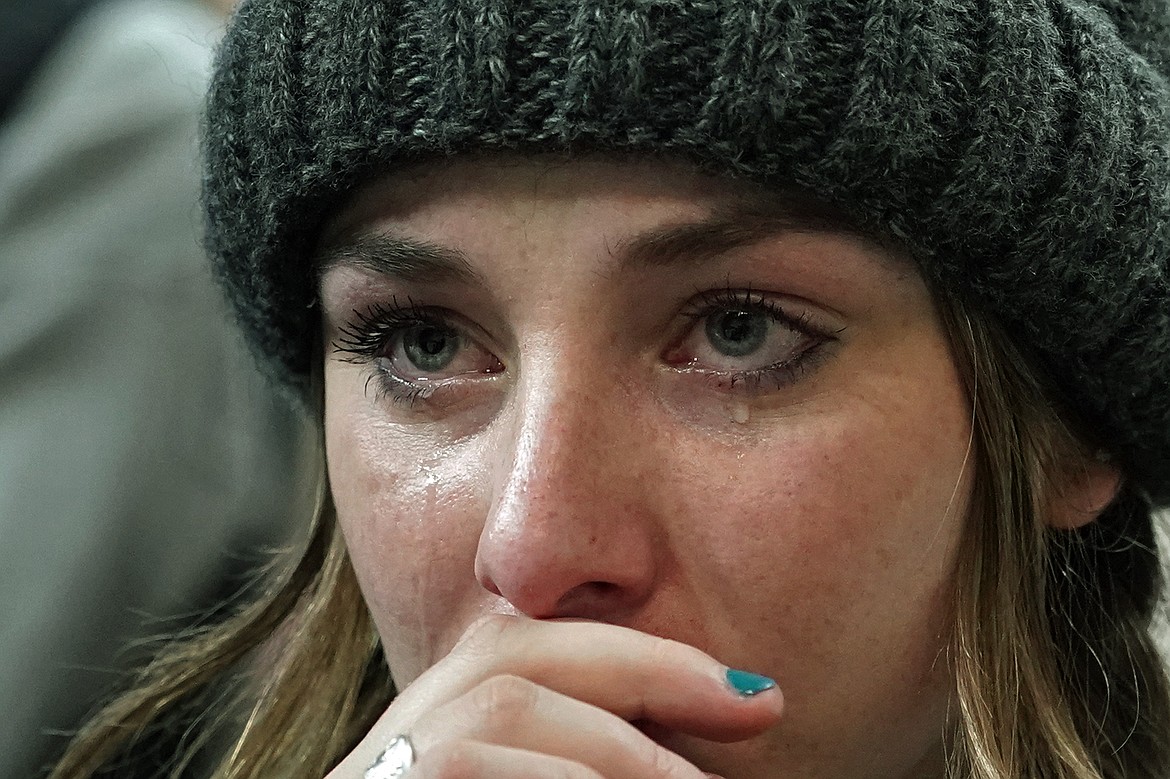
(140,455)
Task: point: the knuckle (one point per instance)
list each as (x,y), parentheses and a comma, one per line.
(505,701)
(485,632)
(663,657)
(658,761)
(450,760)
(463,760)
(666,652)
(578,771)
(662,652)
(654,758)
(666,764)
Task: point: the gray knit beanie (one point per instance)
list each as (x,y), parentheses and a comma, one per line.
(1020,149)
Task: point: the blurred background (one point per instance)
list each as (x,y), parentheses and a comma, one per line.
(144,465)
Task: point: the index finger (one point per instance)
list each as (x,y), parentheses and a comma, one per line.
(634,675)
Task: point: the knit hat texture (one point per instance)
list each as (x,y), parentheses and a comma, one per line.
(1020,149)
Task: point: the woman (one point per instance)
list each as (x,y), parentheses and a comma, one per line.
(752,389)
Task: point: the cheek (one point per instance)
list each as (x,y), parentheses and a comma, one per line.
(411,517)
(827,549)
(881,473)
(837,511)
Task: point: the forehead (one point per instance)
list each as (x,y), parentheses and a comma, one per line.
(508,224)
(673,190)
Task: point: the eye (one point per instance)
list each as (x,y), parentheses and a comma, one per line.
(737,332)
(745,338)
(415,351)
(427,351)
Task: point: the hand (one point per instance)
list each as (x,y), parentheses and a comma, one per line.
(525,699)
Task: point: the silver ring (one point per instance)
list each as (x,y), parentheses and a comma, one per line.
(396,759)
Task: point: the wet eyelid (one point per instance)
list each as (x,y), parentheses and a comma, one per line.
(797,312)
(395,311)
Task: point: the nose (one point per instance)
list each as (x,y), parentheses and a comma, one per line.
(574,529)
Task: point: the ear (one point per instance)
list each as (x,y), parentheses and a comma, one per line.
(1087,490)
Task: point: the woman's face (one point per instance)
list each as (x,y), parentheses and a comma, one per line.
(632,394)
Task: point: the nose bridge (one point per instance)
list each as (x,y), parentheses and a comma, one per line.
(563,442)
(570,530)
(564,447)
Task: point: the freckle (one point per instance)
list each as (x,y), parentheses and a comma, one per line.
(740,413)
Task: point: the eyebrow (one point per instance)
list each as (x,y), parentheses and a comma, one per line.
(736,225)
(402,258)
(673,245)
(694,243)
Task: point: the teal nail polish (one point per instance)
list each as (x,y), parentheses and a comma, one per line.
(748,684)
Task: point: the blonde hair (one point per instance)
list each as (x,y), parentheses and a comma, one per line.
(1056,670)
(1056,673)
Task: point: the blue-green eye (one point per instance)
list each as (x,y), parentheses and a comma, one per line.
(415,350)
(433,351)
(738,332)
(746,339)
(430,349)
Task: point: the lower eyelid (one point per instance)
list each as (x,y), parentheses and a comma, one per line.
(772,378)
(386,385)
(444,392)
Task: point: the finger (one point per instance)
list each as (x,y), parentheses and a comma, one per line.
(515,712)
(473,760)
(634,675)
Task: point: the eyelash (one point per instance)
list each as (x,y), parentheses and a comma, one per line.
(365,337)
(770,377)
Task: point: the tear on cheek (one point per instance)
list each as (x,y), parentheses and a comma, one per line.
(740,413)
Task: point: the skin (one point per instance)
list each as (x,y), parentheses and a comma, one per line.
(588,472)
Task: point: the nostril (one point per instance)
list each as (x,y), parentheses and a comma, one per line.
(489,584)
(595,589)
(602,588)
(591,600)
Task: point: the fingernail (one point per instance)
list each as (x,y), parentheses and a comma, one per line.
(748,684)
